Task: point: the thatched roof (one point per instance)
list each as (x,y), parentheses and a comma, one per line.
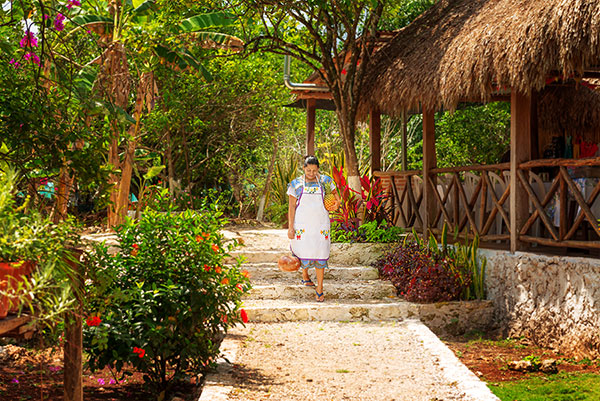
(569,110)
(470,49)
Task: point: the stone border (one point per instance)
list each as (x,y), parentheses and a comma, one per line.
(452,368)
(212,390)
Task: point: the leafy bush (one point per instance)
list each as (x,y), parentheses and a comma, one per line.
(162,304)
(420,275)
(27,236)
(368,232)
(428,271)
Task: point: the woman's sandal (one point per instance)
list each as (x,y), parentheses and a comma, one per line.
(320,297)
(308,283)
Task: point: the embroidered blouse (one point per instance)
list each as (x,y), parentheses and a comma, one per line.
(295,187)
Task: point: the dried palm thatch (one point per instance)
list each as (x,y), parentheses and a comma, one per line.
(569,110)
(471,49)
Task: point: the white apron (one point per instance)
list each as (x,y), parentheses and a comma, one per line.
(311,226)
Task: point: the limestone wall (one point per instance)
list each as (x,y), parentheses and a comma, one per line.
(554,301)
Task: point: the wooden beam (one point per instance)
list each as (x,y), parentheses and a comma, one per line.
(404,139)
(73,348)
(520,152)
(375,139)
(310,126)
(429,162)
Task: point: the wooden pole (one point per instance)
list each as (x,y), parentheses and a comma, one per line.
(311,108)
(404,140)
(520,151)
(375,140)
(429,162)
(73,371)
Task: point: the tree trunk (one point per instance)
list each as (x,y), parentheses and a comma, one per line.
(348,128)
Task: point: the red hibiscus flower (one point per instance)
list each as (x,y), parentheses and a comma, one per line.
(93,321)
(207,268)
(239,287)
(244,315)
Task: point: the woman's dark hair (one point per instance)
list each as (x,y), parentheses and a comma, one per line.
(311,160)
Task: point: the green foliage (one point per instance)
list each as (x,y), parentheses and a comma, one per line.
(368,232)
(165,300)
(560,387)
(28,237)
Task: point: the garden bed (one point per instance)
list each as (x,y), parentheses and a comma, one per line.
(30,375)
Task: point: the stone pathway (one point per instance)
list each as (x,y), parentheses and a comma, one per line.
(361,344)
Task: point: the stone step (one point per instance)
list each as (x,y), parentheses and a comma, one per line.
(260,272)
(443,318)
(333,290)
(330,310)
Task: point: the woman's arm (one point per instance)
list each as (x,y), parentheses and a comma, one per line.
(291,215)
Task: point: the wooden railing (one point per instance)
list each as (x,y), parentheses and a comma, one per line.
(574,221)
(474,200)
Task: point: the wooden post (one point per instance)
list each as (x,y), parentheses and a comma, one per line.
(429,162)
(520,151)
(311,108)
(404,140)
(73,371)
(375,140)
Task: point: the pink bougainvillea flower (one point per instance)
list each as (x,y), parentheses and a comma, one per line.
(101,382)
(244,315)
(112,381)
(15,380)
(59,22)
(225,281)
(14,63)
(29,40)
(33,57)
(93,321)
(54,368)
(215,247)
(46,16)
(73,3)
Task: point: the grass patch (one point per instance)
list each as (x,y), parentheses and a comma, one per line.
(560,387)
(342,371)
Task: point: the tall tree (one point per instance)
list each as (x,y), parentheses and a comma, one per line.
(334,38)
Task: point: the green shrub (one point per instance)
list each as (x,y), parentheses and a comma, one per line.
(162,304)
(367,232)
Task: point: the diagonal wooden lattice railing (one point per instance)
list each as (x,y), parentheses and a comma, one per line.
(482,207)
(577,223)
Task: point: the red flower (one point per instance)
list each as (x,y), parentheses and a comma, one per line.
(93,321)
(205,235)
(218,269)
(139,351)
(244,315)
(239,287)
(134,252)
(135,246)
(224,318)
(215,247)
(225,281)
(344,71)
(199,238)
(245,273)
(207,268)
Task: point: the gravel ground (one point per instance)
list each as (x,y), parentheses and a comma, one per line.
(334,361)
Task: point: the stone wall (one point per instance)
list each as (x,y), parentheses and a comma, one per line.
(552,300)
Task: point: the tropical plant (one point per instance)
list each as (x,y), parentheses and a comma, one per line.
(162,304)
(368,232)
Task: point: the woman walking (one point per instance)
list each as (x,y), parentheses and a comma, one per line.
(309,221)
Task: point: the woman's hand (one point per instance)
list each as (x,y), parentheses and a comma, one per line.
(291,233)
(336,205)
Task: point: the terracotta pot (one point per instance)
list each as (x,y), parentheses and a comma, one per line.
(288,263)
(11,275)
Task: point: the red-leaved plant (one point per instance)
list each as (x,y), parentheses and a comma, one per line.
(368,202)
